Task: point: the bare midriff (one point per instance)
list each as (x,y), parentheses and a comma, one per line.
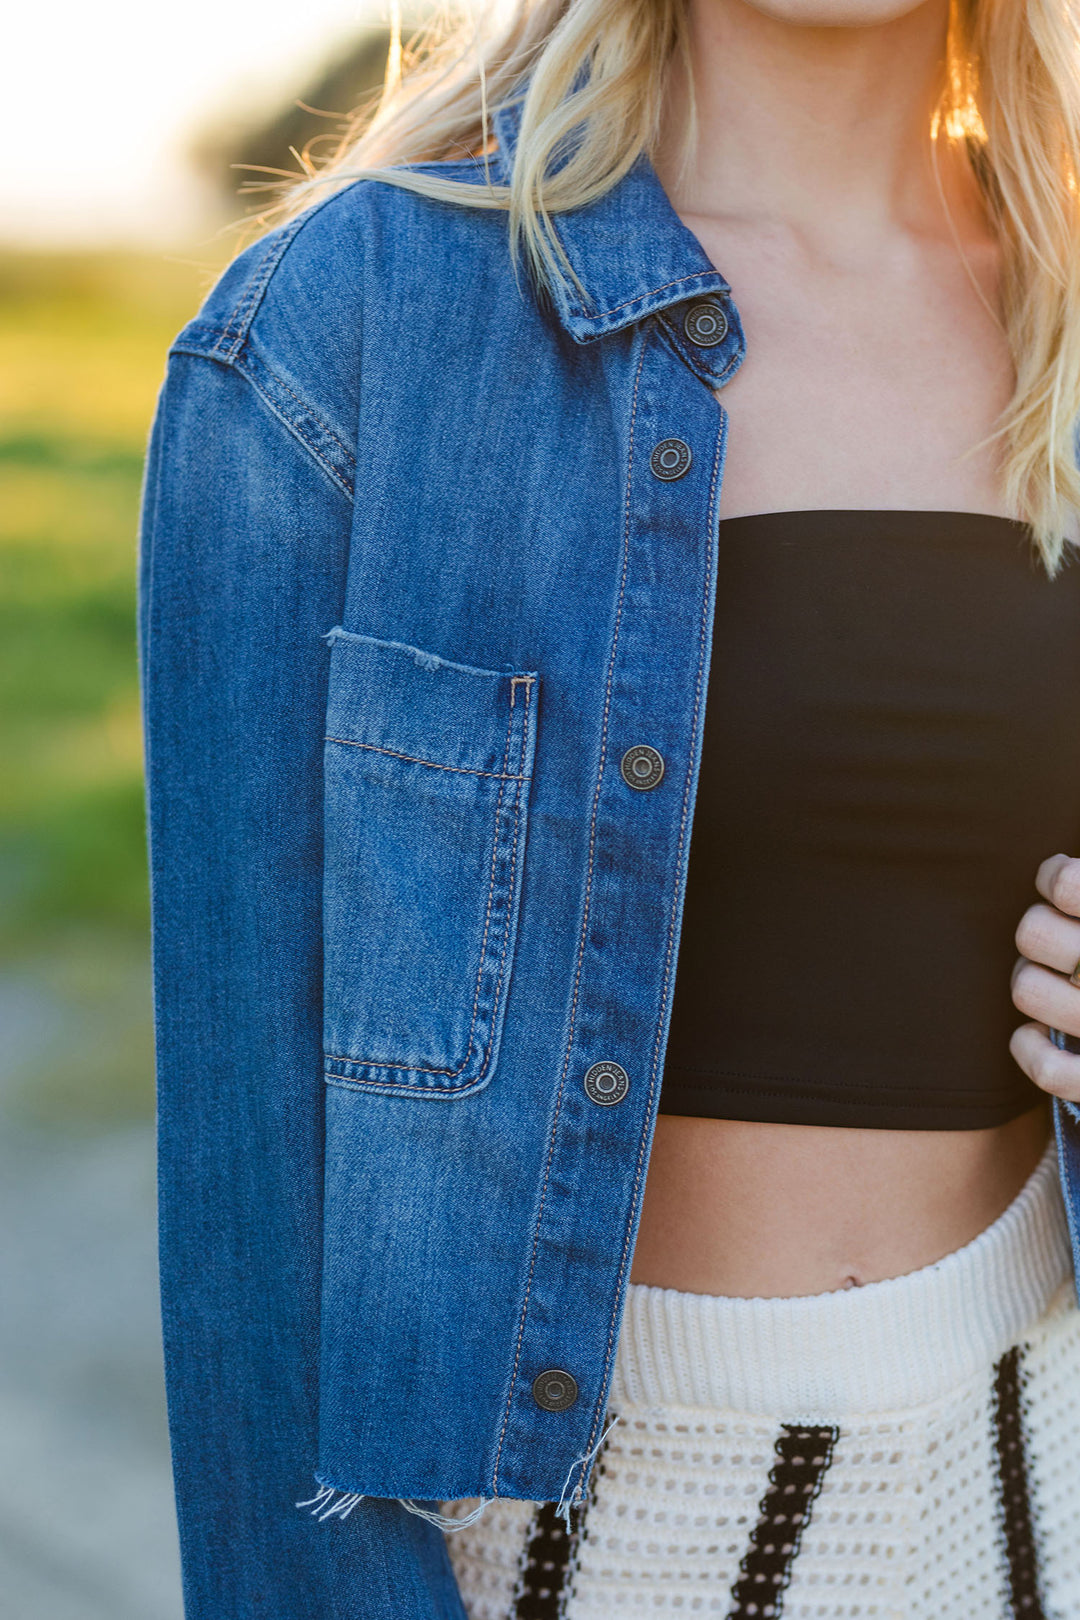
(765,1211)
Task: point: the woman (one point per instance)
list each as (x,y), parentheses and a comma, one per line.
(681,442)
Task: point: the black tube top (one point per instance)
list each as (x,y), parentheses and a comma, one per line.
(892,745)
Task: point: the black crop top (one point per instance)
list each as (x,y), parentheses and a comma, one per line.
(892,745)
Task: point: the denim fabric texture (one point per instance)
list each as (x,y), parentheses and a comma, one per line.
(411,583)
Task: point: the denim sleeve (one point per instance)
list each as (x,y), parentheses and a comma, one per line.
(242,568)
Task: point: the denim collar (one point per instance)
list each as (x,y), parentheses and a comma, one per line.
(630,250)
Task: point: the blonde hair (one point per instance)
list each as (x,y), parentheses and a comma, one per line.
(590,76)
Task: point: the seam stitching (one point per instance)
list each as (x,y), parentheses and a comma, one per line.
(642,298)
(401,1088)
(236,327)
(252,377)
(512,879)
(309,411)
(244,313)
(415,759)
(286,418)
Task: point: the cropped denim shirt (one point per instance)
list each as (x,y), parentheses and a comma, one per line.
(424,555)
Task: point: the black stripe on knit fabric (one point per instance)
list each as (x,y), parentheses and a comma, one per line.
(1015,1497)
(549,1561)
(543,1567)
(803,1454)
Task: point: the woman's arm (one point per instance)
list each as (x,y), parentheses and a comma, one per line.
(242,569)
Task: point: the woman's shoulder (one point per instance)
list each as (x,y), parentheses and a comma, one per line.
(294,311)
(310,274)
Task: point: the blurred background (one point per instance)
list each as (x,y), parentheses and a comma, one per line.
(122,126)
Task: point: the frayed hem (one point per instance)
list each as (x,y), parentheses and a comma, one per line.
(568,1501)
(445,1521)
(323,1506)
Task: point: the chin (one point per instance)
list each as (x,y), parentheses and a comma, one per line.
(835,13)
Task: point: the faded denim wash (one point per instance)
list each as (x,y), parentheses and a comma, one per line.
(411,583)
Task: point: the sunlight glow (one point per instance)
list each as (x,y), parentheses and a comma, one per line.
(97,101)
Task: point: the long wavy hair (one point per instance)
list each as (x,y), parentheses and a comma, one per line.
(591,77)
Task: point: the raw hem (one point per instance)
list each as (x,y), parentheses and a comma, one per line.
(330,1503)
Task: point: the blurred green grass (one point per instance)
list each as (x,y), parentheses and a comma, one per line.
(84,338)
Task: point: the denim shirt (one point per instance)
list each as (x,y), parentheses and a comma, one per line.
(424,554)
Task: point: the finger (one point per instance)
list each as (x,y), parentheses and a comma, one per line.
(1051,1069)
(1046,996)
(1058,880)
(1045,935)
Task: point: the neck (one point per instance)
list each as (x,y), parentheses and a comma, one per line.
(822,129)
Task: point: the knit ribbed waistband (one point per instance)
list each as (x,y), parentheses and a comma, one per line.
(887,1345)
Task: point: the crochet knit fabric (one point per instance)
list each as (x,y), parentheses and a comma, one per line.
(958,1499)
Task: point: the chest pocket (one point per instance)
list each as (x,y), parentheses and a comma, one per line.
(427,772)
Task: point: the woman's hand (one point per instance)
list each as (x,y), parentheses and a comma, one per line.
(1049,941)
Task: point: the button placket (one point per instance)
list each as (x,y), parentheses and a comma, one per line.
(663,609)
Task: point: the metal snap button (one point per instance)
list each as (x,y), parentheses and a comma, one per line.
(555,1390)
(706,324)
(606,1083)
(642,767)
(671,459)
